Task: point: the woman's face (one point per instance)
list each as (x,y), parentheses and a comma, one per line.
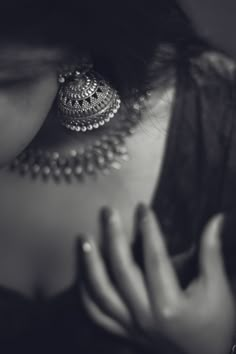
(28,86)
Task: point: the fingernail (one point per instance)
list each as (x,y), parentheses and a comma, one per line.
(105,212)
(85,244)
(214,237)
(142,212)
(86,247)
(110,215)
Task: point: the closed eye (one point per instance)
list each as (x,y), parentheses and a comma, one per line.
(20,63)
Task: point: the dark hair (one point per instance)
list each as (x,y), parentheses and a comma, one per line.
(123,37)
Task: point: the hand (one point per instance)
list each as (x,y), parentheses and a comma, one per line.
(214,20)
(151,304)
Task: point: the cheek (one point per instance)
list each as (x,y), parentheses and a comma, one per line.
(22,113)
(15,136)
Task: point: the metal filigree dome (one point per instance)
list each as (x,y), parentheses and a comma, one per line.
(86,101)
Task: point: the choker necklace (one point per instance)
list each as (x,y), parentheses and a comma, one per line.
(102,155)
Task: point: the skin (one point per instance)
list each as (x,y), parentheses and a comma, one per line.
(47,231)
(157,305)
(28,87)
(28,75)
(147,304)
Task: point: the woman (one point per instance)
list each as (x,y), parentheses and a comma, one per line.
(42,306)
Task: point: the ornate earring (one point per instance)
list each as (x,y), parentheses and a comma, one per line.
(85,101)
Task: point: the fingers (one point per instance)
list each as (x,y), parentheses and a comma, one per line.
(211,259)
(100,286)
(127,277)
(161,279)
(107,323)
(99,317)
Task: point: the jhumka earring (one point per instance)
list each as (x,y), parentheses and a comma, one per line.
(85,101)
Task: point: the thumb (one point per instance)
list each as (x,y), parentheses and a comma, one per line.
(211,258)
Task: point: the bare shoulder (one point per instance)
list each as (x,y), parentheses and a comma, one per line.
(217,63)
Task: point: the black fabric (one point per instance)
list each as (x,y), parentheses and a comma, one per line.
(59,325)
(198,180)
(198,175)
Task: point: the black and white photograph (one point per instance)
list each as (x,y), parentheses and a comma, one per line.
(118,177)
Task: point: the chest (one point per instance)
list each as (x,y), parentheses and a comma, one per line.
(40,222)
